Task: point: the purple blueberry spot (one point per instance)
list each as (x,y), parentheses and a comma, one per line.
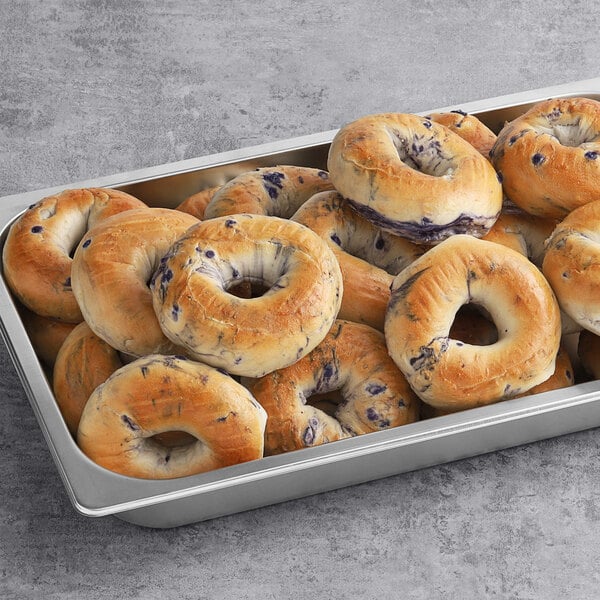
(175,312)
(230,222)
(133,426)
(37,229)
(459,112)
(209,254)
(300,179)
(427,123)
(380,243)
(323,174)
(591,155)
(375,388)
(86,243)
(309,436)
(144,371)
(336,239)
(500,177)
(537,159)
(67,282)
(372,414)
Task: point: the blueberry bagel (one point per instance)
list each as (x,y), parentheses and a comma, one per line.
(256,335)
(452,374)
(351,359)
(549,157)
(38,251)
(274,191)
(414,178)
(112,268)
(157,394)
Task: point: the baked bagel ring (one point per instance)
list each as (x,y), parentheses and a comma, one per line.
(368,256)
(248,336)
(414,178)
(425,298)
(548,158)
(572,265)
(273,191)
(196,203)
(157,394)
(111,270)
(83,362)
(468,127)
(353,359)
(38,249)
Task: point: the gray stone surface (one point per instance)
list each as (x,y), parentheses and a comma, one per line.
(98,87)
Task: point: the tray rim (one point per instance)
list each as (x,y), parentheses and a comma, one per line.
(77,471)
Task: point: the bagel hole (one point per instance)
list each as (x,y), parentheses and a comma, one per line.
(248,289)
(173,439)
(472,325)
(328,402)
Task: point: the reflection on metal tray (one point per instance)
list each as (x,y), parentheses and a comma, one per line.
(95,491)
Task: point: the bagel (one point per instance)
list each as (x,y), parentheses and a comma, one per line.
(157,394)
(272,191)
(572,265)
(111,270)
(425,298)
(548,157)
(248,336)
(38,249)
(83,362)
(414,178)
(468,127)
(368,256)
(353,359)
(196,203)
(588,351)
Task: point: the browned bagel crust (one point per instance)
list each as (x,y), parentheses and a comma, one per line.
(448,373)
(562,377)
(84,361)
(414,177)
(37,252)
(111,270)
(157,394)
(368,256)
(272,191)
(572,265)
(248,336)
(549,157)
(352,358)
(468,127)
(196,203)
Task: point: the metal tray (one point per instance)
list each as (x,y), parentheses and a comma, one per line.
(96,492)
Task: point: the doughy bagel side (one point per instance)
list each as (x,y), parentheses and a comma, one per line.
(84,361)
(38,248)
(159,394)
(368,256)
(414,178)
(468,127)
(549,157)
(111,270)
(572,265)
(425,298)
(248,336)
(353,359)
(272,191)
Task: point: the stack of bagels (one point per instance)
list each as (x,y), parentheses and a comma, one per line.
(434,266)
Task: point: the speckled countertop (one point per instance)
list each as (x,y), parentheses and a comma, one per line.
(97,87)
